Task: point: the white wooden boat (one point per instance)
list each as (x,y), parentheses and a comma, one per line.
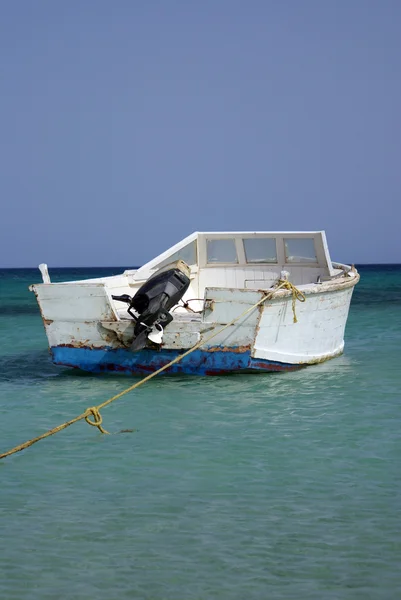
(93,325)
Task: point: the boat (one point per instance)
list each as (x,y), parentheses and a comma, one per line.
(216,302)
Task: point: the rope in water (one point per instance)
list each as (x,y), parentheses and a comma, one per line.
(94,411)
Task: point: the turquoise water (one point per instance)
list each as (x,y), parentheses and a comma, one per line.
(282,486)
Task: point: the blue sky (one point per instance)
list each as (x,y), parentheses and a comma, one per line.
(126,125)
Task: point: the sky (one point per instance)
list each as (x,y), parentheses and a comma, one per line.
(126,125)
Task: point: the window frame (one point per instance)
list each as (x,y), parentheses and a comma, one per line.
(260,237)
(320,257)
(322,254)
(218,239)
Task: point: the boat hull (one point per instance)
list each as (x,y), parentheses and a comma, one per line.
(199,362)
(236,331)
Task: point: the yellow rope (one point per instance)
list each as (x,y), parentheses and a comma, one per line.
(94,410)
(98,419)
(296,295)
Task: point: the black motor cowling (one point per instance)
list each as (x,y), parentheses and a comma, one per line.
(155,298)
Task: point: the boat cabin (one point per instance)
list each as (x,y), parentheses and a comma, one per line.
(226,260)
(237,260)
(247,260)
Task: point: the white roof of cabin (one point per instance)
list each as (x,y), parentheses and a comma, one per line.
(320,243)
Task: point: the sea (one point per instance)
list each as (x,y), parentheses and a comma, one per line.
(243,487)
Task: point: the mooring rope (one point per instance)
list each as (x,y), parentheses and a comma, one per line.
(94,411)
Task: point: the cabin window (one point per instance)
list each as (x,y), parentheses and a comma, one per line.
(187,254)
(260,250)
(221,251)
(299,250)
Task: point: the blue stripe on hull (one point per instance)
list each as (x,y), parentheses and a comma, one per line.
(199,362)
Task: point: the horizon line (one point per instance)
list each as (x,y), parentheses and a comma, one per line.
(362,264)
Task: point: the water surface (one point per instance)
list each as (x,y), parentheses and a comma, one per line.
(282,486)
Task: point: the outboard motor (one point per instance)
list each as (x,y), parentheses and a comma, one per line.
(154,299)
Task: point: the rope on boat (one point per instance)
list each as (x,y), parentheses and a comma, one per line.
(94,411)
